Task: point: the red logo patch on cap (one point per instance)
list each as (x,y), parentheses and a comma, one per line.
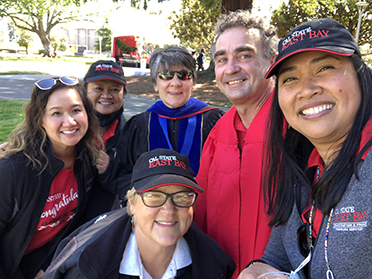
(162,160)
(106,67)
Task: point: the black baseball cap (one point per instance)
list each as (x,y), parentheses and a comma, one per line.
(163,167)
(323,34)
(105,69)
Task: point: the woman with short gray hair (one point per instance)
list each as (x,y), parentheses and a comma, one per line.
(176,121)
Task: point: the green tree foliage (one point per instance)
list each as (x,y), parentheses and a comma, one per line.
(39,16)
(58,43)
(106,34)
(140,3)
(296,12)
(225,5)
(24,38)
(193,24)
(124,47)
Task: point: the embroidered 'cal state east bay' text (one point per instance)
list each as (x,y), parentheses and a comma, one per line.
(304,34)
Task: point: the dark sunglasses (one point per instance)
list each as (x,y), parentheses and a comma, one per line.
(45,84)
(303,239)
(182,75)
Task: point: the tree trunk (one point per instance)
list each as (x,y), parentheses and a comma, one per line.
(230,6)
(233,5)
(44,37)
(210,68)
(46,45)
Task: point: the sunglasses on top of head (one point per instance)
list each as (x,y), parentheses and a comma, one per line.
(182,75)
(46,84)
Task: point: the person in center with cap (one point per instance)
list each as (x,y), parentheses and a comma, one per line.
(318,168)
(154,237)
(106,86)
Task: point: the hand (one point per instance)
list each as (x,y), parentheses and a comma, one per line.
(39,274)
(256,270)
(103,162)
(3,147)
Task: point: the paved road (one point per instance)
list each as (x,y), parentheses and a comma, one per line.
(20,86)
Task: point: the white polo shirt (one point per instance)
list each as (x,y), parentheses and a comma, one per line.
(131,263)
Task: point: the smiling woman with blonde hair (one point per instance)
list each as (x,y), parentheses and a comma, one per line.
(155,237)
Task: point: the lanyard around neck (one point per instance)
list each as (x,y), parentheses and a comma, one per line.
(329,272)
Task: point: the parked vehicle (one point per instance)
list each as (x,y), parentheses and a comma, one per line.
(129,50)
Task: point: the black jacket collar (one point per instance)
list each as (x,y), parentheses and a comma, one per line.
(102,256)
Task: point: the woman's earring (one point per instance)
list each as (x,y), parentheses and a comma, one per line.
(132,221)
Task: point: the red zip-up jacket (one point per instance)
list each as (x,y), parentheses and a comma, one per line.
(231,210)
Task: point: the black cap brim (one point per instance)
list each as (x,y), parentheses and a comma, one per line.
(156,181)
(333,50)
(105,77)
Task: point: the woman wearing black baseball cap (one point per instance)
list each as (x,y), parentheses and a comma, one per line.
(319,173)
(106,86)
(154,237)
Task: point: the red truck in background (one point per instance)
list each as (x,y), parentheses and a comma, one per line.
(129,50)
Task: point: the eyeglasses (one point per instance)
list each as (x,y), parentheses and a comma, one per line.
(45,84)
(182,75)
(303,239)
(157,198)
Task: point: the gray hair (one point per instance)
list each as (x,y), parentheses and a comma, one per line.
(245,19)
(169,59)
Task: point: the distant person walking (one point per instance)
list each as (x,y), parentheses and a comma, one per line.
(201,59)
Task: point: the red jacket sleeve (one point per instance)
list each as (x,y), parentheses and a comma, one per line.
(202,180)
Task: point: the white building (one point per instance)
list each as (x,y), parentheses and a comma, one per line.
(81,35)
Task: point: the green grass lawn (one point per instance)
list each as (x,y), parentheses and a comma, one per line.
(11,113)
(22,73)
(75,59)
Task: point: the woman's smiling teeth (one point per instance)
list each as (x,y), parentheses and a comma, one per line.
(166,223)
(69,132)
(315,110)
